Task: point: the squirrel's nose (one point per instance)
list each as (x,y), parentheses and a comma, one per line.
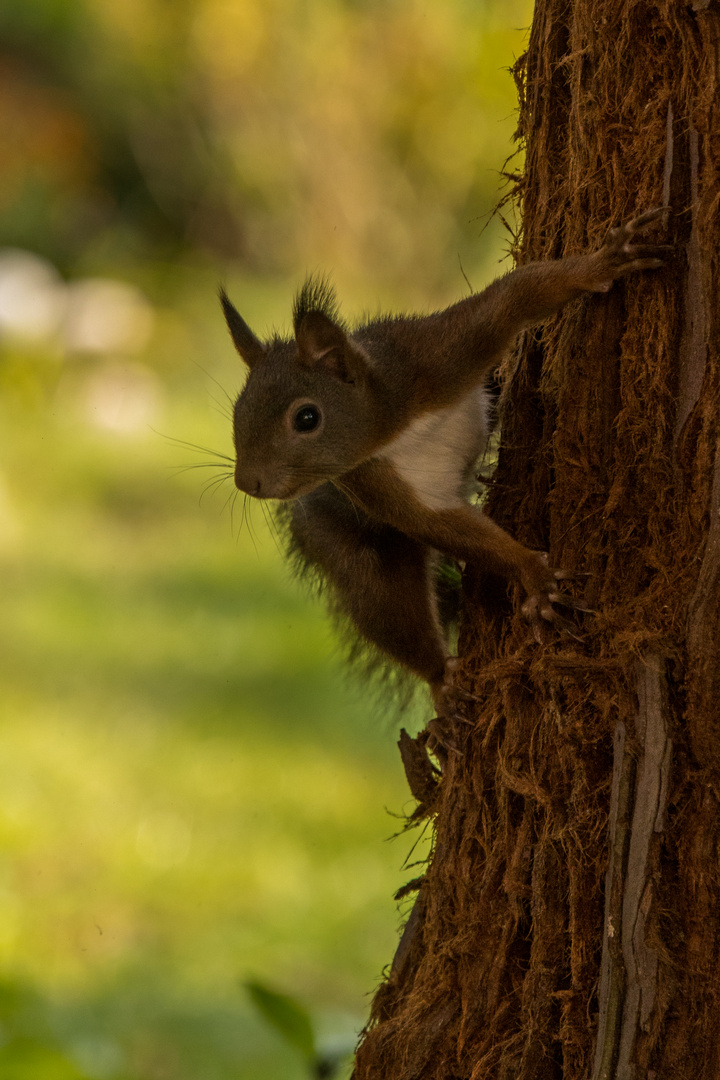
(249,482)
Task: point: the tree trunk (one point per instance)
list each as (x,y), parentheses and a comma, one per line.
(568,924)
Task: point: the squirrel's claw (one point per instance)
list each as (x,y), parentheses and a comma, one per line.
(622,253)
(449,698)
(645,218)
(449,689)
(563,624)
(544,597)
(464,695)
(565,600)
(547,618)
(440,743)
(541,614)
(571,575)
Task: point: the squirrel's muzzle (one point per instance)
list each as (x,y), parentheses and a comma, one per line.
(249,481)
(262,483)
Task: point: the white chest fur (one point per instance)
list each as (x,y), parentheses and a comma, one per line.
(435,454)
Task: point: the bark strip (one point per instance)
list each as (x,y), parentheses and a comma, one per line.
(653,768)
(612,969)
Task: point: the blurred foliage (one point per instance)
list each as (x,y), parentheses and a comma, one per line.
(276,134)
(285,1014)
(293,1022)
(190,790)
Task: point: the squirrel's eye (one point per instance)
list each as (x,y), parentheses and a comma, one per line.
(307,418)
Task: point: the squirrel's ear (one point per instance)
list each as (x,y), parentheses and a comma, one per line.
(249,347)
(322,344)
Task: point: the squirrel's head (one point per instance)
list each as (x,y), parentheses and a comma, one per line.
(305,414)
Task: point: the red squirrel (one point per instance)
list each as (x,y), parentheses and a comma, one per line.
(371,436)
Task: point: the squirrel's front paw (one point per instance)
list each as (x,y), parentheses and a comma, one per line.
(544,597)
(621,253)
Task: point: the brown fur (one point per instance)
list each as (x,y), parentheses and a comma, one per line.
(379,485)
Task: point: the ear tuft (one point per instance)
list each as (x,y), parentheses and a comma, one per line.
(250,348)
(317,294)
(322,344)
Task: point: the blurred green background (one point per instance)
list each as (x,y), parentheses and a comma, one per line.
(191,793)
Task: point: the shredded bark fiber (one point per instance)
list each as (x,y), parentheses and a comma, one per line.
(568,925)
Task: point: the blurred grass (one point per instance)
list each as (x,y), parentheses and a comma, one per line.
(191,792)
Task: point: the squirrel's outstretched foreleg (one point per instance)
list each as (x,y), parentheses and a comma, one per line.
(470,336)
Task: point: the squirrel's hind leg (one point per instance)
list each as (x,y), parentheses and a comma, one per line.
(382,580)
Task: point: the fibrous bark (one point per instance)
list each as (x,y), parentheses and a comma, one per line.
(568,924)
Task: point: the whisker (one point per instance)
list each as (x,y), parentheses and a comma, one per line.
(232,510)
(243,517)
(338,484)
(194,446)
(216,482)
(224,475)
(303,507)
(250,526)
(272,527)
(229,500)
(226,411)
(217,382)
(178,469)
